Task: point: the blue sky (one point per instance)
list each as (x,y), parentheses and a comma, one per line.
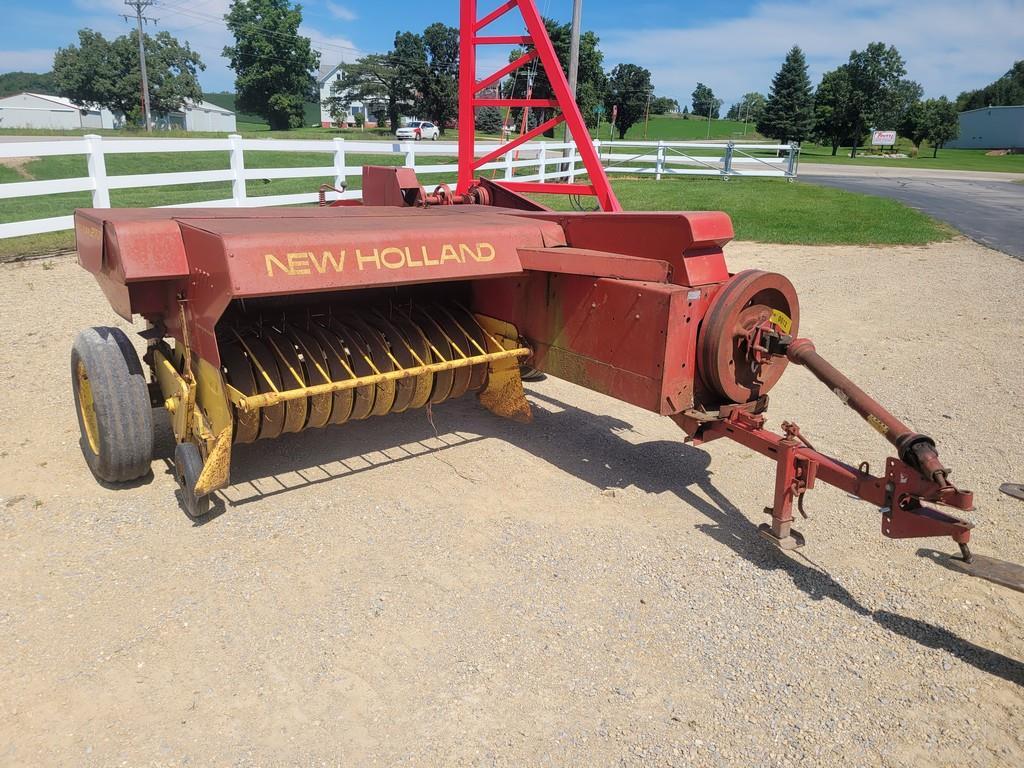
(950,45)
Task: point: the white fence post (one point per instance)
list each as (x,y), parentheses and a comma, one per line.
(238,192)
(97,166)
(659,163)
(410,155)
(508,166)
(339,163)
(542,162)
(794,153)
(572,164)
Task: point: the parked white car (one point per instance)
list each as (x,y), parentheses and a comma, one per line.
(418,129)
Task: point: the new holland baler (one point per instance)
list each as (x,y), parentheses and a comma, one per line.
(261,322)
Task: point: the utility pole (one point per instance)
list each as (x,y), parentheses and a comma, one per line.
(574,58)
(140,6)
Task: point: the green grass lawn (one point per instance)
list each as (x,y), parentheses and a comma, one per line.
(673,128)
(765,210)
(948,159)
(778,211)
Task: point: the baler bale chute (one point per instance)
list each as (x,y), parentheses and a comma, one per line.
(262,322)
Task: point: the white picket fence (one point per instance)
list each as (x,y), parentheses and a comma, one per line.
(549,161)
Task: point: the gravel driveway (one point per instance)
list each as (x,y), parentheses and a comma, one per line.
(586,590)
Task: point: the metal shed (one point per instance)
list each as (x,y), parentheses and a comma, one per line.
(991,128)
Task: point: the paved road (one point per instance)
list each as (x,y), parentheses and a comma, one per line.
(989,212)
(904,172)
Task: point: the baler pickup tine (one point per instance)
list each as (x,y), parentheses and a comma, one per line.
(271,398)
(472,341)
(255,361)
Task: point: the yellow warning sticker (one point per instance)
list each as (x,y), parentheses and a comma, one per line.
(876,422)
(781,319)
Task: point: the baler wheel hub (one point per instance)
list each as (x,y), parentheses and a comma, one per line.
(732,360)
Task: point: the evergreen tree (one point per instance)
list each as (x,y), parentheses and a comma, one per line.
(788,114)
(273,64)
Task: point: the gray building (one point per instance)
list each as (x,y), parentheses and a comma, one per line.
(991,128)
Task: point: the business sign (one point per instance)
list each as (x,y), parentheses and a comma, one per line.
(883,138)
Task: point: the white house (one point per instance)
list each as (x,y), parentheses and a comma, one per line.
(325,79)
(38,110)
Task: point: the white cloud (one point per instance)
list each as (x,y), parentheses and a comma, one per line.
(949,45)
(32,60)
(341,12)
(333,49)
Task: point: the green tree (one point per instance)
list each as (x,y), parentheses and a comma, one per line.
(391,80)
(489,120)
(1008,90)
(273,63)
(704,102)
(438,85)
(943,122)
(663,105)
(748,108)
(105,73)
(914,124)
(590,80)
(835,118)
(32,82)
(788,113)
(876,79)
(629,87)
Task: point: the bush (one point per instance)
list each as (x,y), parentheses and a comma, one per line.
(489,120)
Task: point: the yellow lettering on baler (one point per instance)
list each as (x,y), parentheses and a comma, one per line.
(392,258)
(298,263)
(448,253)
(273,261)
(484,252)
(371,258)
(328,260)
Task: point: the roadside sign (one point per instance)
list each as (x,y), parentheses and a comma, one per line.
(599,109)
(883,138)
(615,112)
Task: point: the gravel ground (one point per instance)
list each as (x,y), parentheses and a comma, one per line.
(586,590)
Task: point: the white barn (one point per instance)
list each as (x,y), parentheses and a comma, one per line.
(327,76)
(199,116)
(39,110)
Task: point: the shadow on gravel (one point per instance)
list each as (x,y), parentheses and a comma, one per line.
(601,450)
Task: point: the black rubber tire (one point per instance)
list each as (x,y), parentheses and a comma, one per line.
(124,415)
(188,465)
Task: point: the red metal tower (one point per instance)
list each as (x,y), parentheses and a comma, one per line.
(470,27)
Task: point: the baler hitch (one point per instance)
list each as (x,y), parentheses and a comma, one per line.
(916,477)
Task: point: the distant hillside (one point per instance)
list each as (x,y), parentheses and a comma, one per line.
(34,82)
(226,99)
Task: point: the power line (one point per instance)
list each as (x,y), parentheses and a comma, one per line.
(140,6)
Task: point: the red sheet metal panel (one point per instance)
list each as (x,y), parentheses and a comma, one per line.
(628,339)
(583,261)
(690,242)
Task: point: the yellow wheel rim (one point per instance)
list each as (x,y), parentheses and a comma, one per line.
(87,407)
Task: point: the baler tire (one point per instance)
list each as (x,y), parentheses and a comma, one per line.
(188,465)
(112,404)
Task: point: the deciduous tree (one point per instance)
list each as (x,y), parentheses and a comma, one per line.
(105,73)
(629,87)
(835,119)
(274,65)
(704,102)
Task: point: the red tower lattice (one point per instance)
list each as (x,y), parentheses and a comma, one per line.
(470,28)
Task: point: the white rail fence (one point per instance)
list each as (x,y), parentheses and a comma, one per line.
(549,161)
